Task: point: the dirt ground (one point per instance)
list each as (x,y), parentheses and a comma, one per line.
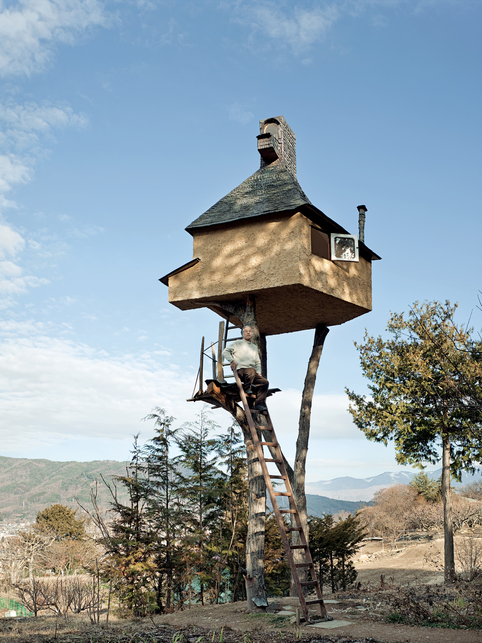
(383,573)
(403,564)
(231,623)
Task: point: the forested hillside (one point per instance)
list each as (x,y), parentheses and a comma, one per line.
(28,486)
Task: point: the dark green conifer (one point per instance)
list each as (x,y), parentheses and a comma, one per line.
(202,488)
(431,490)
(332,545)
(164,510)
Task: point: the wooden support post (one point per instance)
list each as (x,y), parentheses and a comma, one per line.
(201,371)
(220,352)
(213,353)
(263,346)
(226,333)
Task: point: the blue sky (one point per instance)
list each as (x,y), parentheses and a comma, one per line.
(121,122)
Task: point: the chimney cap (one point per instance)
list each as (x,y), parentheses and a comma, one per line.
(362,208)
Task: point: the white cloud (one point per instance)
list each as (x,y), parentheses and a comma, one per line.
(297,27)
(379,21)
(12,280)
(330,419)
(22,128)
(52,389)
(240,113)
(15,285)
(9,269)
(11,242)
(31,117)
(30,29)
(88,231)
(170,35)
(300,27)
(12,172)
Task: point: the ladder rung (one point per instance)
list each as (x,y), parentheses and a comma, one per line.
(279,477)
(294,529)
(304,565)
(298,546)
(281,493)
(273,460)
(309,582)
(288,511)
(318,600)
(268,444)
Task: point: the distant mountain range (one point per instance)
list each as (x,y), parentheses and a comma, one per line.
(28,486)
(321,505)
(363,489)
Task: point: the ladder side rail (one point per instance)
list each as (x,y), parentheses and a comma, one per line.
(214,363)
(220,372)
(279,517)
(226,332)
(201,368)
(292,504)
(308,557)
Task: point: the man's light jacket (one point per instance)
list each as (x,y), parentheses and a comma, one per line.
(244,353)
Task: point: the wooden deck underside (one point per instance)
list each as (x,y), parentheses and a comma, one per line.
(228,391)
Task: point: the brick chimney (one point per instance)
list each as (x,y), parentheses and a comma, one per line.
(277,141)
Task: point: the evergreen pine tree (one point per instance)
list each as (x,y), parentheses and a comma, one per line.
(276,567)
(234,505)
(425,394)
(163,507)
(431,490)
(131,564)
(202,483)
(332,545)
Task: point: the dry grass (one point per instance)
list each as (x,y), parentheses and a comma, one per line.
(78,630)
(456,607)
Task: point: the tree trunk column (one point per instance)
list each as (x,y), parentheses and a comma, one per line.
(299,469)
(255,585)
(449,557)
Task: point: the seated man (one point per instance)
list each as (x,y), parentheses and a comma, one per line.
(244,357)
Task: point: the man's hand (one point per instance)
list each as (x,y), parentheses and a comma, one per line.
(233,365)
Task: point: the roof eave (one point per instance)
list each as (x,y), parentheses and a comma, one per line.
(317,216)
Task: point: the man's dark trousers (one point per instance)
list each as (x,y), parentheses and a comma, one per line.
(249,377)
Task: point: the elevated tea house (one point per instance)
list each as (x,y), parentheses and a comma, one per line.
(265,250)
(266,238)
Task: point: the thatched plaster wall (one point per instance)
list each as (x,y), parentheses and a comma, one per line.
(272,258)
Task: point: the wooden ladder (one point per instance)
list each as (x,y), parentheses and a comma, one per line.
(293,510)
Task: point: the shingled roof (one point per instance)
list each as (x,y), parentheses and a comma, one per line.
(272,188)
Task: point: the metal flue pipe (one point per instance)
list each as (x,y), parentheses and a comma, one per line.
(362,209)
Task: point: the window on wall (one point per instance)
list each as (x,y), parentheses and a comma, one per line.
(320,243)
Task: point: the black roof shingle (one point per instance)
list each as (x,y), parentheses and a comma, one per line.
(271,189)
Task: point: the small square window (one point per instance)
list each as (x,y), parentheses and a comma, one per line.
(344,247)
